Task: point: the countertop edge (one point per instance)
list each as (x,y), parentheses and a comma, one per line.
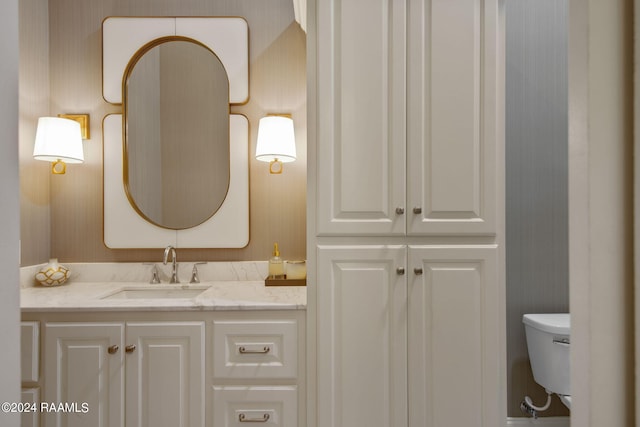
(218,296)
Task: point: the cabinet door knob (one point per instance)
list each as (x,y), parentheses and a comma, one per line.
(400,271)
(417,210)
(400,210)
(113,349)
(417,271)
(130,348)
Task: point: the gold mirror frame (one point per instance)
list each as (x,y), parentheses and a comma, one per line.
(187,208)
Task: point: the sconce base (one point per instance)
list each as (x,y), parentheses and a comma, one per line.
(58,167)
(83,119)
(275,167)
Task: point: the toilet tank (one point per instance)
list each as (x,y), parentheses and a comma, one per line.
(548,345)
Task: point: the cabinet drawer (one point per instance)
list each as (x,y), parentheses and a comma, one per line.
(255,349)
(29,351)
(240,406)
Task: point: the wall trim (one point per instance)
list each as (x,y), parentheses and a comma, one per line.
(543,421)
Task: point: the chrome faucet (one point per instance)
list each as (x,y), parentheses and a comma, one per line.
(174,265)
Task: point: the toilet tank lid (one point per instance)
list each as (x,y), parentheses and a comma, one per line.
(555,323)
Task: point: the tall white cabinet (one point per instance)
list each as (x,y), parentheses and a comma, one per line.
(406,284)
(408,116)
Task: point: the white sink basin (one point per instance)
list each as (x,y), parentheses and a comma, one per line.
(157,293)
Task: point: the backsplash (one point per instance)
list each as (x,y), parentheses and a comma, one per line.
(141,273)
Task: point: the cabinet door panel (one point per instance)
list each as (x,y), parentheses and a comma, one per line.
(165,374)
(80,369)
(361,116)
(454,345)
(29,351)
(361,307)
(454,116)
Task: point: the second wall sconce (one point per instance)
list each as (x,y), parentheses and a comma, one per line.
(276,142)
(83,119)
(59,141)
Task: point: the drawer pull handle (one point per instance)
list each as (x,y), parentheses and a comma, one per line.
(417,271)
(417,210)
(130,348)
(400,210)
(113,349)
(243,419)
(265,350)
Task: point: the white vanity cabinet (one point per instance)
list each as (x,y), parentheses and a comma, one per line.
(408,106)
(412,338)
(212,368)
(127,373)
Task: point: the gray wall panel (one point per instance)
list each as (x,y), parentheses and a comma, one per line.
(536,180)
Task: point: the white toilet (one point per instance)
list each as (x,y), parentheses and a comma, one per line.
(548,345)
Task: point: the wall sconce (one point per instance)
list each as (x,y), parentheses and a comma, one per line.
(276,142)
(83,119)
(58,140)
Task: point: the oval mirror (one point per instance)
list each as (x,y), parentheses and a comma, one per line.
(176,133)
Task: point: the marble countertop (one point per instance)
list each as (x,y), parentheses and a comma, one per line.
(224,285)
(215,295)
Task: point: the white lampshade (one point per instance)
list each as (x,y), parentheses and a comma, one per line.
(276,140)
(58,139)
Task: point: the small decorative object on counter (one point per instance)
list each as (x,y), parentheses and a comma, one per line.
(276,267)
(296,270)
(53,274)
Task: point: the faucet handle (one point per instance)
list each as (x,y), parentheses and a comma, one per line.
(194,272)
(155,279)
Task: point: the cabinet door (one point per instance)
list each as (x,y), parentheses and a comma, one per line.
(361,131)
(362,336)
(455,115)
(165,374)
(84,369)
(456,347)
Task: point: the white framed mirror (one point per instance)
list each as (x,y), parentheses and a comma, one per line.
(133,222)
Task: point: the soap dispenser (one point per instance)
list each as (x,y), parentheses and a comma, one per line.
(276,266)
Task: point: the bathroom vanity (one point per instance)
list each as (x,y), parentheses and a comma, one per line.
(211,354)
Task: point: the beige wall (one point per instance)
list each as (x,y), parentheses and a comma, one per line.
(600,212)
(277,85)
